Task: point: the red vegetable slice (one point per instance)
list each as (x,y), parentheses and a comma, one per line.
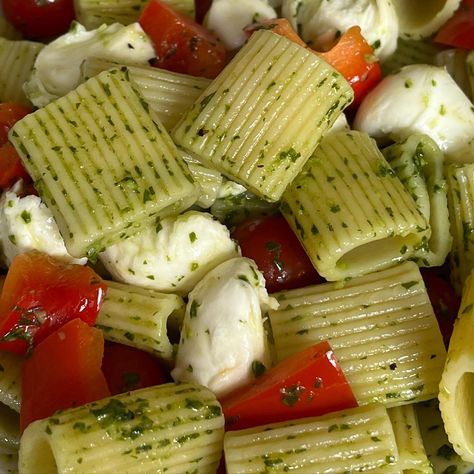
(458,31)
(181,44)
(40,294)
(126,368)
(276,250)
(40,19)
(354,58)
(10,113)
(310,383)
(63,372)
(11,169)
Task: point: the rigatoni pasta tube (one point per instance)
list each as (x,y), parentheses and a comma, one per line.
(460,179)
(16,63)
(101,164)
(456,390)
(418,162)
(172,428)
(411,451)
(381,327)
(168,94)
(138,317)
(10,380)
(350,211)
(357,440)
(261,119)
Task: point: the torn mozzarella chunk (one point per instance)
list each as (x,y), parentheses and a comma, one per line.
(223,333)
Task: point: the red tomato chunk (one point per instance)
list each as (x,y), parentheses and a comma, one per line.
(63,372)
(310,383)
(40,294)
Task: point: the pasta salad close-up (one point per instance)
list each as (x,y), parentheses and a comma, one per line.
(236,236)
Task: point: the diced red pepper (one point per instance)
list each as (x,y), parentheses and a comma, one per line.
(63,372)
(10,113)
(354,58)
(310,383)
(11,169)
(40,294)
(181,44)
(458,31)
(126,368)
(280,26)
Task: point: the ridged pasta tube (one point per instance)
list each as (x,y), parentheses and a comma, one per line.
(168,94)
(461,212)
(456,390)
(455,62)
(418,162)
(10,380)
(350,211)
(94,13)
(138,317)
(470,71)
(357,440)
(261,119)
(9,427)
(16,63)
(381,327)
(101,164)
(172,428)
(8,460)
(411,450)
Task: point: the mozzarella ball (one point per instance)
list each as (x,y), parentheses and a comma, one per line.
(26,223)
(173,256)
(420,99)
(321,22)
(223,334)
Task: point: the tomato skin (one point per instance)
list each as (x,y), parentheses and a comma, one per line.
(309,383)
(444,300)
(11,168)
(126,368)
(354,58)
(40,294)
(276,250)
(181,44)
(10,113)
(63,372)
(40,19)
(202,7)
(458,31)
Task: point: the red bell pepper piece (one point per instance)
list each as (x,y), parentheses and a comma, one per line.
(63,372)
(309,383)
(126,368)
(11,169)
(458,31)
(354,58)
(181,44)
(40,294)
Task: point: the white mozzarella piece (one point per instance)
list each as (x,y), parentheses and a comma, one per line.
(174,257)
(223,333)
(230,188)
(320,22)
(228,18)
(420,99)
(57,68)
(27,224)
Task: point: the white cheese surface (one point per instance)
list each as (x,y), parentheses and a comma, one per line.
(173,256)
(420,99)
(57,69)
(321,22)
(228,18)
(223,333)
(27,224)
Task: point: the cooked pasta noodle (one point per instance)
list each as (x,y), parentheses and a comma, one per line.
(381,327)
(138,317)
(272,85)
(10,371)
(357,440)
(16,63)
(101,164)
(172,428)
(350,211)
